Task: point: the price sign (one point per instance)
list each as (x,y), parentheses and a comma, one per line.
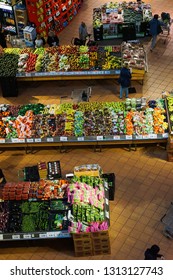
(2,140)
(38,140)
(14,140)
(49,139)
(80,139)
(21,140)
(99,137)
(153,136)
(51,234)
(62,138)
(116,137)
(107,214)
(145,137)
(138,136)
(165,135)
(57,14)
(27,236)
(15,236)
(1,236)
(43,235)
(30,140)
(129,137)
(106,201)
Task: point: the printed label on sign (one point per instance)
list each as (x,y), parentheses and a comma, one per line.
(15,140)
(49,139)
(21,140)
(152,136)
(99,137)
(38,140)
(43,235)
(107,214)
(116,137)
(51,234)
(63,138)
(1,236)
(16,236)
(138,136)
(129,137)
(106,201)
(165,135)
(145,137)
(30,140)
(26,236)
(80,138)
(2,140)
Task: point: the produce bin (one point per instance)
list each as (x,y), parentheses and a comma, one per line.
(9,86)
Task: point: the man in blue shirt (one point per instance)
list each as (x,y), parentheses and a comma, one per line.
(155,29)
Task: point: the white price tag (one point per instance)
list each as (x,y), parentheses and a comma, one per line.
(62,138)
(14,140)
(43,235)
(145,137)
(80,139)
(1,236)
(138,136)
(153,136)
(99,137)
(129,137)
(106,201)
(49,139)
(30,140)
(107,214)
(27,236)
(51,234)
(37,140)
(15,236)
(165,135)
(2,140)
(116,137)
(21,140)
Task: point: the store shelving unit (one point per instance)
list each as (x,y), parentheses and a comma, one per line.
(56,14)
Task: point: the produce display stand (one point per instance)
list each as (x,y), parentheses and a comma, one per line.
(52,206)
(127,20)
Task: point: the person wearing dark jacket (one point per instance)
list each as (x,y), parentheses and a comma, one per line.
(2,39)
(2,178)
(153,253)
(155,29)
(124,80)
(52,39)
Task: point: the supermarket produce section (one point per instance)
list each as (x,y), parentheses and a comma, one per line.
(129,122)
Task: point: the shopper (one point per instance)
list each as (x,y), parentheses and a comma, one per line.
(2,178)
(83,33)
(2,38)
(124,80)
(153,253)
(52,39)
(39,41)
(155,29)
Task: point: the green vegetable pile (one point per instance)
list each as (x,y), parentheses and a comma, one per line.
(36,108)
(34,216)
(8,65)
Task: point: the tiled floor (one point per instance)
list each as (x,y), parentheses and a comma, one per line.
(144,187)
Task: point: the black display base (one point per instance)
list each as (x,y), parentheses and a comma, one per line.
(9,86)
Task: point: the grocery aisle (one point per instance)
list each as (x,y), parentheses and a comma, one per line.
(143,177)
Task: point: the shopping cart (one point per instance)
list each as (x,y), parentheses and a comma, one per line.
(167,220)
(77,95)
